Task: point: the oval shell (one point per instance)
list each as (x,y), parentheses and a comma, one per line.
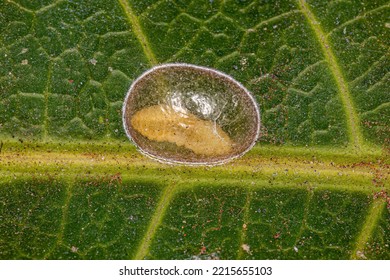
(182,113)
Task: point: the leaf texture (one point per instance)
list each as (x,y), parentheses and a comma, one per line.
(314,187)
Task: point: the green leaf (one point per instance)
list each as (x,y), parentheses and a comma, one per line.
(314,187)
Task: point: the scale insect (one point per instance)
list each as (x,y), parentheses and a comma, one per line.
(187,114)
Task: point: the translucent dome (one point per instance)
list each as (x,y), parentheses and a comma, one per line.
(181,113)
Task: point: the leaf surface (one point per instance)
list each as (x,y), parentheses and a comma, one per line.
(314,187)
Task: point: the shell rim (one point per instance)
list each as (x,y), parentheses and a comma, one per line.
(178,162)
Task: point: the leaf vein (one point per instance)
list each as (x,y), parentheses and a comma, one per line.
(156,220)
(368,227)
(48,7)
(371,68)
(352,118)
(358,18)
(138,32)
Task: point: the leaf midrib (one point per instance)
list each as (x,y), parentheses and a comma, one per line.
(260,163)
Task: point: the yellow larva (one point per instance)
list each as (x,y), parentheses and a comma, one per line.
(163,124)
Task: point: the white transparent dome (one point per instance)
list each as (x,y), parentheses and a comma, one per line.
(181,113)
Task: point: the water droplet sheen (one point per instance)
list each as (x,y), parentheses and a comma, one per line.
(187,114)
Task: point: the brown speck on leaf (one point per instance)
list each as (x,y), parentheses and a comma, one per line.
(74,249)
(244,226)
(383,195)
(277,235)
(93,61)
(116,178)
(361,255)
(246,248)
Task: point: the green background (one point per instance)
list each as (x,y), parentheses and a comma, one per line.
(314,187)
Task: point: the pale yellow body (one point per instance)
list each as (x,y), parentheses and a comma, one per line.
(163,124)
